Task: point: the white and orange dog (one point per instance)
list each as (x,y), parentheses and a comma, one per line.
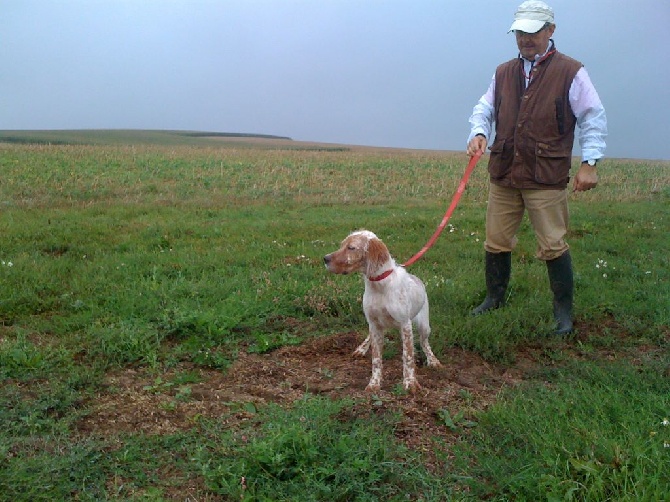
(393,298)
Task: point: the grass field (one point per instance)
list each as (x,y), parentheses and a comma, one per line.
(168,330)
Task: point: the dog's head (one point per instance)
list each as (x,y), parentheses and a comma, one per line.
(362,251)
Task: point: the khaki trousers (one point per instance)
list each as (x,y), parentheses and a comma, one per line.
(547,211)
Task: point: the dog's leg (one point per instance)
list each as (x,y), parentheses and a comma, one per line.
(423,327)
(362,348)
(408,368)
(376,342)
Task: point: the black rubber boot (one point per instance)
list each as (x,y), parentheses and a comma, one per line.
(562,285)
(498,269)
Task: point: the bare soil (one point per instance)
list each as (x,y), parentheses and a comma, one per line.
(132,401)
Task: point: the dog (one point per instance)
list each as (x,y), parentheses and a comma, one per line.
(393,298)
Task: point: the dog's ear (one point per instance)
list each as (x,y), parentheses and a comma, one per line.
(378,254)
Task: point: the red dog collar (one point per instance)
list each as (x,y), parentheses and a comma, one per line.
(381,277)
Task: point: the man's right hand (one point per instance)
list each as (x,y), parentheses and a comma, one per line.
(477,144)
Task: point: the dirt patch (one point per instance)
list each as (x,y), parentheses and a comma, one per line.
(134,400)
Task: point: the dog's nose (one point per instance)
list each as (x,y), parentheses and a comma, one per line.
(326,259)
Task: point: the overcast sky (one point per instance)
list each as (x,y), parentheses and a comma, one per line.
(398,73)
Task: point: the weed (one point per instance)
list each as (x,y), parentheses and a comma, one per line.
(456,422)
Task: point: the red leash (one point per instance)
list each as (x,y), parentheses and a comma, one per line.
(452,206)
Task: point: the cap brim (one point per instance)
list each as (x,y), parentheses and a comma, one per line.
(526,25)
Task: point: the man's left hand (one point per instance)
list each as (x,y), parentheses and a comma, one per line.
(586,179)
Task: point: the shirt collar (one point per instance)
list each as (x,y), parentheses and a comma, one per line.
(550,46)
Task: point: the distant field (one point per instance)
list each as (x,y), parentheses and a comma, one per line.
(168,330)
(164,138)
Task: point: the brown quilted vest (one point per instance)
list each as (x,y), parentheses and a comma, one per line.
(535,126)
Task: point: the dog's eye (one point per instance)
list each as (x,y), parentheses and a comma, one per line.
(351,248)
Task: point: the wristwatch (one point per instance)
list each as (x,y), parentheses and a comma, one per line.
(591,162)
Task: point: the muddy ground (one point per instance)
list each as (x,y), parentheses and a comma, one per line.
(132,400)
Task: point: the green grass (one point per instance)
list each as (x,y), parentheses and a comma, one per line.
(307,453)
(153,257)
(592,431)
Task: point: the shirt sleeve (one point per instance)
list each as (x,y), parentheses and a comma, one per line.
(590,114)
(481,120)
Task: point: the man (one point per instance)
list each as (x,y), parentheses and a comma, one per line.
(535,101)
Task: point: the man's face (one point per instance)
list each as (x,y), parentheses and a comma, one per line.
(532,44)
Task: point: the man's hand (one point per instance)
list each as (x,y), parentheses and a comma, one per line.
(586,179)
(477,144)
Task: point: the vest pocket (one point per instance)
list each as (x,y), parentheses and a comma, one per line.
(500,161)
(552,164)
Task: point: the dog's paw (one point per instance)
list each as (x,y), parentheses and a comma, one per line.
(411,386)
(373,387)
(362,349)
(433,363)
